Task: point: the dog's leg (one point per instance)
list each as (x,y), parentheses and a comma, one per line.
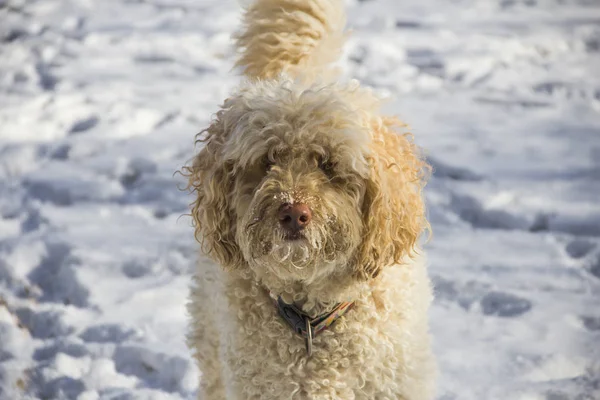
(204,337)
(207,345)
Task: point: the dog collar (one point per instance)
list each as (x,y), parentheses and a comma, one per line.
(303,324)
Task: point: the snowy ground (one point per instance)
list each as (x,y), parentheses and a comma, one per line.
(99,103)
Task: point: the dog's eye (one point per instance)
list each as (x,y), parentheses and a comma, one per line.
(267,163)
(327,167)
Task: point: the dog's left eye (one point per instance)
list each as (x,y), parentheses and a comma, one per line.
(327,167)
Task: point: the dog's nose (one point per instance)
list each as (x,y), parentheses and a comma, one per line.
(294,217)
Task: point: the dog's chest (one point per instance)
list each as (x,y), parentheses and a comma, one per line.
(355,354)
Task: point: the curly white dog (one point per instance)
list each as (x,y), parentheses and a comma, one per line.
(311,203)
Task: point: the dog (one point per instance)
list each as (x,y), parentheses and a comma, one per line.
(309,202)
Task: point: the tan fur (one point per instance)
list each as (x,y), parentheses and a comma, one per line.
(291,36)
(284,140)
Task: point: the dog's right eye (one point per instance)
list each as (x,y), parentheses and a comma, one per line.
(267,164)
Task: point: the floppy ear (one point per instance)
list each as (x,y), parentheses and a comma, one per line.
(211,179)
(393,208)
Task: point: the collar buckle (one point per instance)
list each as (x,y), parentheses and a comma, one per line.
(305,326)
(309,337)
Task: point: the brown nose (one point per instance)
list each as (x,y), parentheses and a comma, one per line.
(294,217)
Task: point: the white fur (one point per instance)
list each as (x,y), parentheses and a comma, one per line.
(379,350)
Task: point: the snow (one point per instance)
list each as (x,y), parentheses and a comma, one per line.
(99,104)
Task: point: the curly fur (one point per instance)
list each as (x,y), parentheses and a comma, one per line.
(285,140)
(291,36)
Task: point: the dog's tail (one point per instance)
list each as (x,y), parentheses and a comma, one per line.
(290,36)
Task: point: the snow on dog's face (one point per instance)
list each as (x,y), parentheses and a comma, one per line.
(297,184)
(298,198)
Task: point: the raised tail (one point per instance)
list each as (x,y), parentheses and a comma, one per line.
(296,37)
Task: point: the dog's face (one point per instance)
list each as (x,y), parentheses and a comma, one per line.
(298,201)
(300,184)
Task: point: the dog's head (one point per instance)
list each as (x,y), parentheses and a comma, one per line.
(301,183)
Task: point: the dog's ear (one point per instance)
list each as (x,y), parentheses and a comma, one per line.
(393,208)
(211,179)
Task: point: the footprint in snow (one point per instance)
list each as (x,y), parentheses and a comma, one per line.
(594,267)
(556,396)
(408,24)
(444,289)
(503,304)
(134,171)
(43,386)
(157,370)
(153,59)
(579,248)
(470,210)
(63,345)
(48,191)
(445,171)
(107,333)
(57,278)
(43,324)
(591,323)
(83,125)
(60,152)
(33,221)
(137,269)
